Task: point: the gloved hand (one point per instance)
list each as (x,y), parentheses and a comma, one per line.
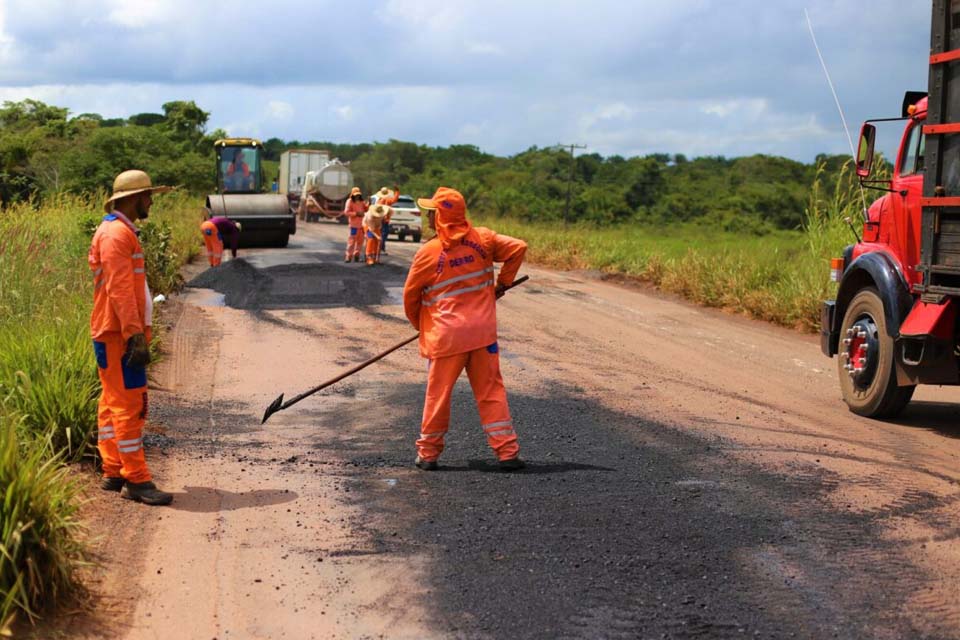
(500,290)
(138,351)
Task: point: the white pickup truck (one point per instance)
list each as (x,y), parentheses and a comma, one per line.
(406,220)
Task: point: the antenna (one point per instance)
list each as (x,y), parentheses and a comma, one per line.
(836,99)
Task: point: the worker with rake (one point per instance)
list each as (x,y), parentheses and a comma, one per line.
(388,197)
(450,297)
(373,228)
(120,328)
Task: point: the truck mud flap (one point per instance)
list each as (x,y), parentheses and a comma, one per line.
(829,335)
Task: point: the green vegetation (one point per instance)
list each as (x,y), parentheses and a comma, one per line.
(48,382)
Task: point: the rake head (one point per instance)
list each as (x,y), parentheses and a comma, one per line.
(275,406)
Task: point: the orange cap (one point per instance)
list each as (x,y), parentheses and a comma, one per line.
(355,191)
(450,201)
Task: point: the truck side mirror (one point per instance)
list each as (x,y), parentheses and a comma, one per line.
(868,136)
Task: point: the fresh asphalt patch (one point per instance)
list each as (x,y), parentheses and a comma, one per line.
(618,528)
(329,282)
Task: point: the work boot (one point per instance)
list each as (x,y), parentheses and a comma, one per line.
(145,492)
(111,484)
(347,259)
(513,464)
(356,258)
(427,465)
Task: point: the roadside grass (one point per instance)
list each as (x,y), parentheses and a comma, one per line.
(41,539)
(780,277)
(48,378)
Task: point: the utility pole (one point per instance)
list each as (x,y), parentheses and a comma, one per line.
(573,164)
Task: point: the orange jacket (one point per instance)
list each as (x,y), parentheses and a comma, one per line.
(119,279)
(354,212)
(449,295)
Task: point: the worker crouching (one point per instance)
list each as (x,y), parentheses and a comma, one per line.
(374,221)
(450,297)
(217,232)
(120,328)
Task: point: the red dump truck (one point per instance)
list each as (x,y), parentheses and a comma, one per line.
(894,322)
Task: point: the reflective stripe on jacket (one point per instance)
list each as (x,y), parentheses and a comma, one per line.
(450,295)
(119,279)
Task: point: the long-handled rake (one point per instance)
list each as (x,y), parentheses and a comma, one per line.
(280,405)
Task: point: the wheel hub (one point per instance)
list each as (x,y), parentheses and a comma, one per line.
(861,352)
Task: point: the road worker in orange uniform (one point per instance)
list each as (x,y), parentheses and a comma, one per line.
(374,221)
(216,231)
(353,209)
(450,297)
(120,328)
(389,198)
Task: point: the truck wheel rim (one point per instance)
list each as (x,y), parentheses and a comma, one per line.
(861,352)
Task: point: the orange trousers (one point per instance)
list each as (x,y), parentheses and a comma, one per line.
(483,371)
(121,412)
(373,247)
(211,238)
(354,243)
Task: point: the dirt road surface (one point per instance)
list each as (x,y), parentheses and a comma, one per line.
(691,474)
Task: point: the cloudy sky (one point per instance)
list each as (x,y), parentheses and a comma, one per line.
(699,77)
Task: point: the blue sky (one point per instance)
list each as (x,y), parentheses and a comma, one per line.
(699,77)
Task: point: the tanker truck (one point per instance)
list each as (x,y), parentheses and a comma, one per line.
(894,322)
(265,218)
(325,191)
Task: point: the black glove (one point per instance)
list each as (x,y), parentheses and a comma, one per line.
(500,290)
(138,351)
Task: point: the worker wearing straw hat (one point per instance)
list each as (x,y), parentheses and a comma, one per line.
(388,197)
(450,298)
(120,328)
(373,229)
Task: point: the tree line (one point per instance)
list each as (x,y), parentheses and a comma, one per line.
(45,150)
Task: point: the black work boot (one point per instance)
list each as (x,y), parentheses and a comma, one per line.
(145,492)
(111,484)
(513,464)
(427,465)
(356,258)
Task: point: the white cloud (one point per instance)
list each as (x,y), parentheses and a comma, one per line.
(343,112)
(485,48)
(691,76)
(143,13)
(279,110)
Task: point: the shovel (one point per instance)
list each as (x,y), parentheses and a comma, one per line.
(280,405)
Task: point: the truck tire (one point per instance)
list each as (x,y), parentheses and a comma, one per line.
(401,237)
(865,362)
(416,237)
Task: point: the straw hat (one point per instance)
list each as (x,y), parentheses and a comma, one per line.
(384,193)
(129,183)
(375,215)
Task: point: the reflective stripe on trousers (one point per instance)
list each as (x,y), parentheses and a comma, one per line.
(483,371)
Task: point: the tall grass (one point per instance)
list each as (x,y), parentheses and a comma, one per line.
(48,378)
(780,277)
(40,533)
